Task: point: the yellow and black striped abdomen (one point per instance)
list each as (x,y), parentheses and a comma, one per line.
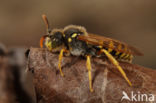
(120,56)
(119,51)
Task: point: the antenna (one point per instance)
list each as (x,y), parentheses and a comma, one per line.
(46,23)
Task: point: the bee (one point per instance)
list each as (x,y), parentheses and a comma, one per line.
(76,41)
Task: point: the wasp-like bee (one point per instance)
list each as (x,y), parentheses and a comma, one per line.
(76,41)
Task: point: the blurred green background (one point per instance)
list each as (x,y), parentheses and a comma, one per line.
(131,21)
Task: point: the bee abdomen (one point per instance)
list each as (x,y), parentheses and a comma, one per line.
(121,56)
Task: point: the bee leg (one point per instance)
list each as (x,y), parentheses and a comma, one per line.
(60,60)
(88,64)
(115,62)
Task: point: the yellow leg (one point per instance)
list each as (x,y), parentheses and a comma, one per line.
(60,60)
(115,62)
(88,64)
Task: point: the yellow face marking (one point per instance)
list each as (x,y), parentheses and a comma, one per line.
(48,44)
(64,35)
(69,40)
(74,35)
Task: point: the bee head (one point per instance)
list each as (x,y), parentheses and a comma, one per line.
(54,41)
